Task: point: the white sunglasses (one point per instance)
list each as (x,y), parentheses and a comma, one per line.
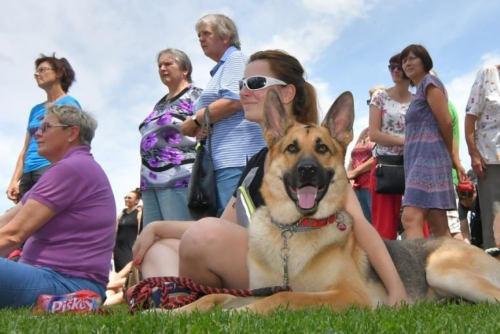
(260,82)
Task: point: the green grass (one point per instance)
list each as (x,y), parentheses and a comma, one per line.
(422,318)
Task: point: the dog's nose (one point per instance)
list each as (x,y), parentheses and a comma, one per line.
(308,171)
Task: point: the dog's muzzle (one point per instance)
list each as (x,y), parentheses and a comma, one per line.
(307,183)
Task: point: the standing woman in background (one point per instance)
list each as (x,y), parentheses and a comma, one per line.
(428,150)
(387,129)
(482,133)
(359,171)
(129,223)
(167,155)
(55,76)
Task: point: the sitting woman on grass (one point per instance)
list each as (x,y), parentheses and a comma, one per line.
(213,251)
(67,220)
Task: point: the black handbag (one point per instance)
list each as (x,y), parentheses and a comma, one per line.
(202,200)
(390,174)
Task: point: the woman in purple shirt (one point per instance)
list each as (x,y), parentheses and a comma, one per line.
(67,220)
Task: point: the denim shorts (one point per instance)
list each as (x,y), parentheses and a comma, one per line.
(227,181)
(165,204)
(21,284)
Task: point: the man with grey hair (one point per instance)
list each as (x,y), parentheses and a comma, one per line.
(234,139)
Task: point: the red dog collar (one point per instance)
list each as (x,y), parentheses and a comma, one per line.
(316,223)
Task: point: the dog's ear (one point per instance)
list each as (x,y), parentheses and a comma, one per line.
(340,118)
(276,120)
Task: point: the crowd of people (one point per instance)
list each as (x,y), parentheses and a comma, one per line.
(65,217)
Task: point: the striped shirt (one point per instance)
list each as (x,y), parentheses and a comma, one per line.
(234,139)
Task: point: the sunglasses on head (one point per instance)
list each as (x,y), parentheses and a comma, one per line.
(260,82)
(392,67)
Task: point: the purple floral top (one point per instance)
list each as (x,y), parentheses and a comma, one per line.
(168,156)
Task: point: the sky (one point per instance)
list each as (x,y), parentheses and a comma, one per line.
(112,46)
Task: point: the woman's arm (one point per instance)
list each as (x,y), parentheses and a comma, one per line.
(363,168)
(439,107)
(370,241)
(462,174)
(13,188)
(219,109)
(27,219)
(229,213)
(164,229)
(378,136)
(477,162)
(9,214)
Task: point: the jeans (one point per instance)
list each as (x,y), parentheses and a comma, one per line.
(165,204)
(227,181)
(365,199)
(21,284)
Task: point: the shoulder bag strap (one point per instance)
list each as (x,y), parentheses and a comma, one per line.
(208,128)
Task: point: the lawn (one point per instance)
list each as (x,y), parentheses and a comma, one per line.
(422,318)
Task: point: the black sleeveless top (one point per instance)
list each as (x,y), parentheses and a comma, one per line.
(257,161)
(127,227)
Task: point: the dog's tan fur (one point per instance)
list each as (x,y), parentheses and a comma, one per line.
(326,266)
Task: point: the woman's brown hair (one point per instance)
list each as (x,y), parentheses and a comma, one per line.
(287,68)
(61,66)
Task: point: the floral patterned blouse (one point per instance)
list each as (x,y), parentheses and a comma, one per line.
(484,102)
(393,121)
(167,156)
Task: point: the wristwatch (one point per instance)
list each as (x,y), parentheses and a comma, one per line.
(195,120)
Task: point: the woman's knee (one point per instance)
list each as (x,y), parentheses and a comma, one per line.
(159,248)
(206,236)
(412,217)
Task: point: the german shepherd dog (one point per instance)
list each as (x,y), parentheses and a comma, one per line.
(303,237)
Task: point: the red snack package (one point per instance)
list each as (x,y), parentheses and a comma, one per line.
(82,301)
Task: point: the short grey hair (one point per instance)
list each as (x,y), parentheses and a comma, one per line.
(181,59)
(223,26)
(69,115)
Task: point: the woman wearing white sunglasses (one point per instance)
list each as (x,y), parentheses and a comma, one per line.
(213,251)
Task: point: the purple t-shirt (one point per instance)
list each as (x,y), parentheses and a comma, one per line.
(78,241)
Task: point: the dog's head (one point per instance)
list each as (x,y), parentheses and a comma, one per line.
(305,173)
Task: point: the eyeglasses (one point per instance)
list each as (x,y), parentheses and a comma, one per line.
(368,101)
(45,126)
(260,82)
(41,70)
(392,67)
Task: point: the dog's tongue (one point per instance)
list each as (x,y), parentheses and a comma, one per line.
(307,197)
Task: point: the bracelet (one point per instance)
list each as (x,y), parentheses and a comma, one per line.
(195,120)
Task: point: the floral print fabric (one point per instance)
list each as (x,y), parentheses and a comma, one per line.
(167,156)
(393,121)
(484,102)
